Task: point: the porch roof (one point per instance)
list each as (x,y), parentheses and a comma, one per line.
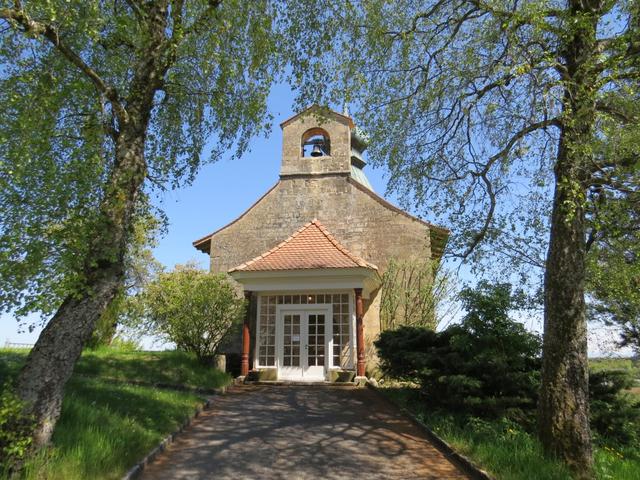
(311,247)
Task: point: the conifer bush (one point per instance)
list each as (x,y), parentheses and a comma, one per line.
(486,366)
(615,414)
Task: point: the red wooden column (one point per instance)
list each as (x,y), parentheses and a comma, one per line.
(359,333)
(246,337)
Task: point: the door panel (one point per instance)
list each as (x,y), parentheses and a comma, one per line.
(304,345)
(316,346)
(291,361)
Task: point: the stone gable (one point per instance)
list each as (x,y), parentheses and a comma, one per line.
(361,223)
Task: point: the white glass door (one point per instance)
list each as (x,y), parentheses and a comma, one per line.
(303,352)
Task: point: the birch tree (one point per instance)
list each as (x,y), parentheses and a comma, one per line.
(100,103)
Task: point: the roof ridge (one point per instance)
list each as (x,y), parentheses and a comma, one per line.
(324,110)
(339,246)
(315,222)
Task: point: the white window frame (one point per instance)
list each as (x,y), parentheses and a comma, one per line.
(303,306)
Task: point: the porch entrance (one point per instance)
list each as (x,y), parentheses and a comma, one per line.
(303,351)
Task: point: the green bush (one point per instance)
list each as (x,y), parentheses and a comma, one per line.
(194,309)
(615,415)
(16,430)
(487,366)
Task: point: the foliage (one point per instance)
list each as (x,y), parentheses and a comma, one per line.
(510,121)
(107,324)
(412,292)
(631,365)
(193,308)
(615,415)
(614,278)
(141,268)
(125,344)
(66,97)
(465,103)
(15,430)
(488,365)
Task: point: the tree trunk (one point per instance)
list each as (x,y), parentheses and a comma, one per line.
(50,364)
(563,409)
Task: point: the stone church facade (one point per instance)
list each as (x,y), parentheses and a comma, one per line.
(311,252)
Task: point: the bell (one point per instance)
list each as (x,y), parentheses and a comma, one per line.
(317,151)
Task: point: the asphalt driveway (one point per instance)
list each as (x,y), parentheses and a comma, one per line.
(302,432)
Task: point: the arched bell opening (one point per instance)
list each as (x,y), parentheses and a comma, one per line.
(316,143)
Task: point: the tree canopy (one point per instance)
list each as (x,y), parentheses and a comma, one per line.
(100,104)
(614,279)
(66,86)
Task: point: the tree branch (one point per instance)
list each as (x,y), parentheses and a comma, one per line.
(201,21)
(552,122)
(616,112)
(488,186)
(18,16)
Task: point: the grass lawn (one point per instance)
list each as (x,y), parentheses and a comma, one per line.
(505,450)
(105,427)
(168,367)
(628,364)
(604,363)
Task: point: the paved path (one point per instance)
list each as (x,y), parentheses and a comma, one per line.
(302,432)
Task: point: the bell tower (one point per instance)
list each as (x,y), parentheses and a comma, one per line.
(316,141)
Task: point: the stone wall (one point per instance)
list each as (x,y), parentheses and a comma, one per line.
(362,224)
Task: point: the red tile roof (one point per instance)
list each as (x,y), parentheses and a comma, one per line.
(312,246)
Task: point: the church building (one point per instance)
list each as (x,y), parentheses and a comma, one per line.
(311,252)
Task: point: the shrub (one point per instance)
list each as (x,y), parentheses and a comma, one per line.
(412,291)
(615,414)
(486,366)
(16,430)
(194,309)
(489,365)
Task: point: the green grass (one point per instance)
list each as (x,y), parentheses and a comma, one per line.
(105,427)
(628,364)
(167,367)
(505,450)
